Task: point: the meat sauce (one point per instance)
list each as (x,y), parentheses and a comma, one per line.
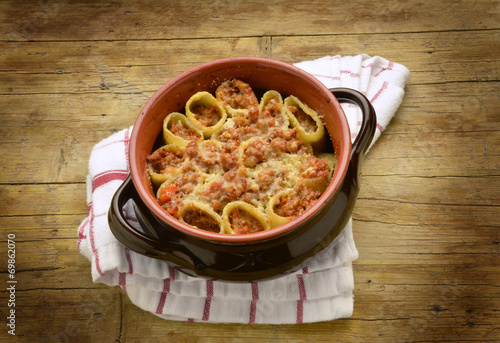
(206,114)
(178,129)
(293,206)
(201,220)
(171,196)
(238,95)
(270,114)
(242,222)
(163,160)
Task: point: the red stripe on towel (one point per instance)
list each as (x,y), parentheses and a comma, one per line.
(129,261)
(354,75)
(302,295)
(163,296)
(390,65)
(126,141)
(380,91)
(81,230)
(108,176)
(379,127)
(171,272)
(98,181)
(253,303)
(300,311)
(108,144)
(302,289)
(122,281)
(92,242)
(336,78)
(208,300)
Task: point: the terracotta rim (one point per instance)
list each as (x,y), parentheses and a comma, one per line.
(138,170)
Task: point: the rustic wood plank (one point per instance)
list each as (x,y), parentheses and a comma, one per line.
(42,227)
(403,302)
(447,301)
(423,155)
(393,244)
(463,191)
(401,155)
(68,315)
(432,57)
(95,20)
(450,280)
(407,213)
(56,132)
(78,67)
(416,276)
(51,264)
(41,199)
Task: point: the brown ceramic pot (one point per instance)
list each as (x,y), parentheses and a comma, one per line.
(256,255)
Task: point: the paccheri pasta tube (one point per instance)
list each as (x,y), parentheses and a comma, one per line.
(179,130)
(234,165)
(240,217)
(306,121)
(238,98)
(271,111)
(205,112)
(276,217)
(165,162)
(200,215)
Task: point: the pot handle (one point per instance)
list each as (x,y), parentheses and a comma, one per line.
(162,244)
(369,123)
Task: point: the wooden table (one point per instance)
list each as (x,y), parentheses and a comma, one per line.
(426,220)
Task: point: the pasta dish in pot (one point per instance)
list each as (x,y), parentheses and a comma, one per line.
(232,164)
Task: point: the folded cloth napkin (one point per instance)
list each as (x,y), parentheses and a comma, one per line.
(318,290)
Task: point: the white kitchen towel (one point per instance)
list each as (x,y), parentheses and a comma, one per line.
(320,289)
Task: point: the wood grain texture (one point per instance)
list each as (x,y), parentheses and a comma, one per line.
(112,20)
(426,219)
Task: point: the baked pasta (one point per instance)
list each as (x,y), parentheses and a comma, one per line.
(235,165)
